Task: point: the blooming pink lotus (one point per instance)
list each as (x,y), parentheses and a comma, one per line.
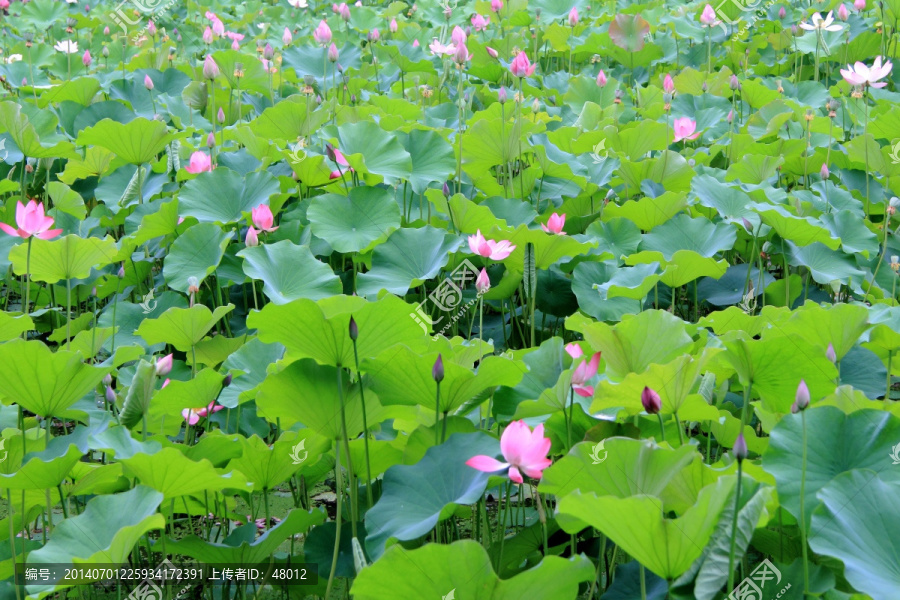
(200,161)
(490,248)
(860,74)
(31,222)
(218,28)
(584,372)
(322,34)
(439,49)
(708,16)
(192,415)
(521,66)
(523,449)
(263,218)
(555,224)
(479,22)
(685,128)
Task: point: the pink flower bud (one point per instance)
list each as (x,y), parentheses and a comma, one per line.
(210,68)
(573,17)
(824,171)
(668,84)
(651,402)
(164,366)
(286,38)
(220,116)
(782,13)
(252,238)
(86,58)
(393,26)
(332,53)
(148,83)
(207,35)
(210,140)
(842,13)
(151,28)
(493,53)
(106,30)
(496,5)
(601,78)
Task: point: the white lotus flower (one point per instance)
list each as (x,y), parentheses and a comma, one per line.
(67,46)
(822,24)
(13,58)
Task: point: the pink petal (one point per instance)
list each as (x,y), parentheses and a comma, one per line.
(574,350)
(49,234)
(9,230)
(486,463)
(514,475)
(515,441)
(585,391)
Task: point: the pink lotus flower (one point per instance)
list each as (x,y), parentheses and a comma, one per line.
(573,17)
(479,22)
(521,66)
(496,5)
(782,13)
(252,238)
(148,83)
(458,36)
(555,224)
(393,26)
(601,78)
(415,44)
(493,53)
(490,248)
(462,54)
(584,372)
(31,222)
(164,366)
(192,415)
(332,53)
(208,35)
(86,59)
(151,28)
(322,34)
(524,451)
(685,128)
(860,74)
(843,13)
(439,49)
(708,16)
(482,282)
(211,15)
(263,218)
(218,28)
(859,4)
(287,38)
(210,68)
(668,84)
(200,161)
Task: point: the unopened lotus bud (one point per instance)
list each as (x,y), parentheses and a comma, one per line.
(801,399)
(650,401)
(740,448)
(164,366)
(501,96)
(110,395)
(734,83)
(353,329)
(535,106)
(121,273)
(107,379)
(268,52)
(823,172)
(747,224)
(704,87)
(220,116)
(227,381)
(782,13)
(437,372)
(105,52)
(148,83)
(446,190)
(210,140)
(829,353)
(106,30)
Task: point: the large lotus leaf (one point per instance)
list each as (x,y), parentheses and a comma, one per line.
(775,366)
(248,366)
(47,469)
(463,570)
(414,496)
(857,523)
(683,267)
(289,272)
(182,327)
(43,14)
(42,381)
(173,474)
(638,525)
(381,152)
(12,327)
(235,550)
(69,257)
(653,336)
(632,467)
(840,325)
(619,236)
(589,278)
(629,282)
(730,202)
(849,228)
(406,259)
(800,230)
(432,158)
(350,224)
(648,213)
(320,329)
(137,142)
(196,253)
(267,467)
(306,392)
(685,233)
(836,443)
(673,381)
(289,120)
(164,411)
(628,31)
(732,286)
(117,441)
(105,533)
(402,376)
(27,126)
(223,195)
(825,265)
(547,248)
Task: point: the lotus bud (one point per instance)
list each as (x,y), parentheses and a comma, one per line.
(496,5)
(105,52)
(110,395)
(375,35)
(601,78)
(227,381)
(801,400)
(482,282)
(747,224)
(329,152)
(535,106)
(24,82)
(782,13)
(859,4)
(393,26)
(650,400)
(164,366)
(491,52)
(730,116)
(704,87)
(121,273)
(823,172)
(268,52)
(107,379)
(286,38)
(252,237)
(151,28)
(668,84)
(86,58)
(740,448)
(501,95)
(220,116)
(734,83)
(210,68)
(148,83)
(842,12)
(210,140)
(353,329)
(437,372)
(332,53)
(446,190)
(106,30)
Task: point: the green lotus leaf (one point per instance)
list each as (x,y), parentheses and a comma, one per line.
(648,213)
(12,327)
(44,382)
(351,224)
(173,474)
(684,233)
(289,272)
(587,280)
(803,231)
(867,438)
(267,467)
(137,142)
(69,257)
(840,325)
(628,31)
(673,381)
(31,129)
(406,259)
(224,196)
(196,253)
(854,235)
(431,155)
(181,327)
(289,120)
(381,152)
(825,265)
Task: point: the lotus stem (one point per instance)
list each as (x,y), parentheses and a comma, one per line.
(26,308)
(337,518)
(345,441)
(68,311)
(803,508)
(362,397)
(12,535)
(437,414)
(662,428)
(680,432)
(643,583)
(734,521)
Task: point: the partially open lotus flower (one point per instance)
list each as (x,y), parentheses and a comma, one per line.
(31,221)
(685,129)
(584,372)
(200,161)
(262,218)
(524,450)
(490,248)
(192,415)
(521,66)
(555,224)
(860,74)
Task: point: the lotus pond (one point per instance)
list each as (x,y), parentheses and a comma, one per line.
(464,300)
